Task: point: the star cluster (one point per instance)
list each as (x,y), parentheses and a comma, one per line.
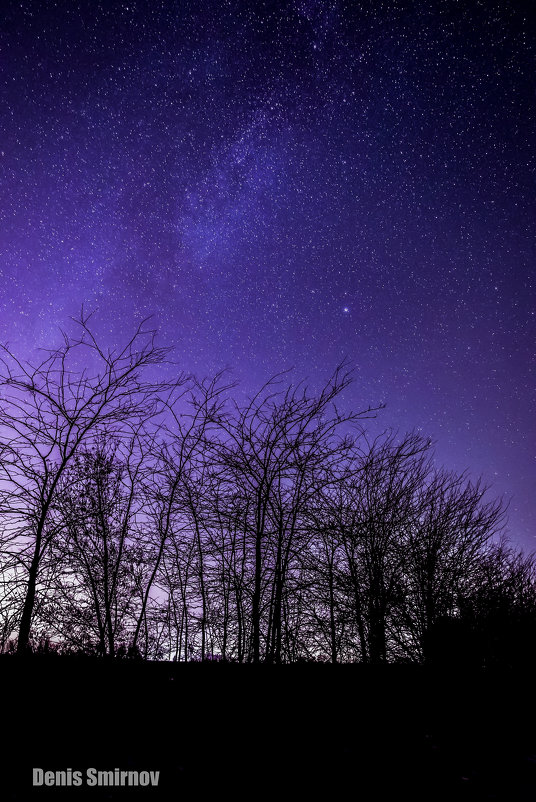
(285,184)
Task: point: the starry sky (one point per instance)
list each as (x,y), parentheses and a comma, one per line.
(282,185)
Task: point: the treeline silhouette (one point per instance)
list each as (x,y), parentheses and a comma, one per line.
(166,520)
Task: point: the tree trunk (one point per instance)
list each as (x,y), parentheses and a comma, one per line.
(29,601)
(332,626)
(256,602)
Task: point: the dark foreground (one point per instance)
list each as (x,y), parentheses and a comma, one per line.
(304,731)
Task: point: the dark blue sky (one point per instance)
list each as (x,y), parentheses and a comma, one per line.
(283,185)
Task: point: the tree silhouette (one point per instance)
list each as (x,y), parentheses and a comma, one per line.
(273,451)
(164,519)
(51,409)
(96,510)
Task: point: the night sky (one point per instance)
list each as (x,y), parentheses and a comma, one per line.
(285,185)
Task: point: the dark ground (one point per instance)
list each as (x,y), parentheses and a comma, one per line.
(303,731)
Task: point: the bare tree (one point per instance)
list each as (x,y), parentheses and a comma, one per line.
(48,411)
(450,531)
(178,464)
(272,451)
(367,515)
(98,505)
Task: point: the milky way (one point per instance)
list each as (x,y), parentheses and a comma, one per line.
(285,185)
